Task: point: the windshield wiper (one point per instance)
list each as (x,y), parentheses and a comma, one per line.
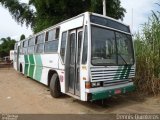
(123,58)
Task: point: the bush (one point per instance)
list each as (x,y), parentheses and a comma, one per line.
(6,46)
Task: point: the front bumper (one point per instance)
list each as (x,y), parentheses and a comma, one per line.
(108,93)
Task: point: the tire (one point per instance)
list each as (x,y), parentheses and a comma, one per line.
(55,88)
(21,68)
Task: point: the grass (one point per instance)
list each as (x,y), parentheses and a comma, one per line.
(147,48)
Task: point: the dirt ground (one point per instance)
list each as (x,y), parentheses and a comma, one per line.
(19,94)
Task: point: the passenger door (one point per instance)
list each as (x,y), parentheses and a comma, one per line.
(75,40)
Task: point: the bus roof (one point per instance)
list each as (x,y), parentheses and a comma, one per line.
(85,13)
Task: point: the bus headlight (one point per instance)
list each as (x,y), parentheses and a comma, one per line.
(92,84)
(96,84)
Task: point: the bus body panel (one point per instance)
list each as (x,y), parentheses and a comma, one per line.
(75,23)
(11,58)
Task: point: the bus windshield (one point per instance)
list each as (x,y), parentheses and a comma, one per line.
(110,47)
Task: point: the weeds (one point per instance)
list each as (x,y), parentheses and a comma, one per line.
(147,48)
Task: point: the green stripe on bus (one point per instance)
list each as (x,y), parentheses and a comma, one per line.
(31,59)
(38,71)
(31,66)
(26,64)
(38,60)
(26,69)
(128,71)
(123,72)
(31,71)
(117,73)
(26,58)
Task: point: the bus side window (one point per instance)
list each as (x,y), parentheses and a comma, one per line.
(51,46)
(52,34)
(31,44)
(57,33)
(21,48)
(39,47)
(15,46)
(30,50)
(63,45)
(25,50)
(40,38)
(51,43)
(25,43)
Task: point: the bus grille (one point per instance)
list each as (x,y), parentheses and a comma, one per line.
(112,75)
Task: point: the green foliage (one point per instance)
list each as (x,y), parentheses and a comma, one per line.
(22,37)
(147,47)
(113,8)
(6,46)
(21,12)
(50,12)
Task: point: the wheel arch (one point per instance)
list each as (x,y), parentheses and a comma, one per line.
(50,73)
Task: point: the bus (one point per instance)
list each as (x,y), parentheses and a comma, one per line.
(89,57)
(11,55)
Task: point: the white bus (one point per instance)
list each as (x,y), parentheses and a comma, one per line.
(89,57)
(11,56)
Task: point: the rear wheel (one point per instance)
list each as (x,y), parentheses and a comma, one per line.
(55,88)
(21,68)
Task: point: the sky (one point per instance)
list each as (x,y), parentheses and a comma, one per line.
(137,13)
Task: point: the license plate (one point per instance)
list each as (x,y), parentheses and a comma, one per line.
(117,91)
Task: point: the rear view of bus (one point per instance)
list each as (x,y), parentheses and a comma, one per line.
(110,61)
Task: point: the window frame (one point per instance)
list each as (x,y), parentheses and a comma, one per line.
(64,58)
(32,38)
(22,47)
(40,43)
(47,41)
(36,46)
(56,34)
(36,38)
(115,31)
(23,44)
(51,52)
(15,46)
(33,50)
(86,32)
(132,49)
(109,23)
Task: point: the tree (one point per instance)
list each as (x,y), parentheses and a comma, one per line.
(113,8)
(21,12)
(6,46)
(22,37)
(50,12)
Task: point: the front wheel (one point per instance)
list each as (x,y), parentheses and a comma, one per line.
(55,88)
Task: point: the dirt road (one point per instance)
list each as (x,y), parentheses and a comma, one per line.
(19,94)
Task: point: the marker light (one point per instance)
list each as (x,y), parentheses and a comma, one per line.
(88,85)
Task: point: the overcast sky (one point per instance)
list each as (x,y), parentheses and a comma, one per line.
(141,9)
